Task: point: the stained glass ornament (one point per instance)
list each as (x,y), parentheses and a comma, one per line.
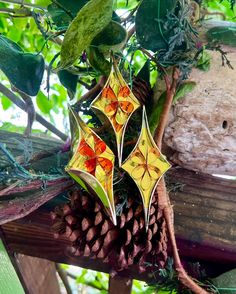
(118,103)
(146,165)
(92,163)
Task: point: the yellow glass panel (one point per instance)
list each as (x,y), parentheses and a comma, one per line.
(92,163)
(146,165)
(118,103)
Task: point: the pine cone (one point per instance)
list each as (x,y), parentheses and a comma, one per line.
(142,90)
(92,234)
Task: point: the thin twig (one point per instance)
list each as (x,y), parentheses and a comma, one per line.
(94,91)
(64,278)
(22,3)
(30,111)
(16,100)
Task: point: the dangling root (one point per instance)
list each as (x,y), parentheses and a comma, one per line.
(164,204)
(163,197)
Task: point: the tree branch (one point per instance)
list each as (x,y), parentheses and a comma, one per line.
(64,278)
(94,91)
(16,100)
(22,3)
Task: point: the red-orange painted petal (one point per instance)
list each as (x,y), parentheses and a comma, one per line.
(109,94)
(126,106)
(111,108)
(106,164)
(90,165)
(100,146)
(117,126)
(85,149)
(124,92)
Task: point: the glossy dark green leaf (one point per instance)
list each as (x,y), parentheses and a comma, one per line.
(69,81)
(98,61)
(112,37)
(223,35)
(90,21)
(155,115)
(144,72)
(226,283)
(150,20)
(24,70)
(63,12)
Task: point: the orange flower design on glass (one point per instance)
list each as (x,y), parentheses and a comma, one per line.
(93,158)
(92,163)
(145,171)
(116,108)
(118,103)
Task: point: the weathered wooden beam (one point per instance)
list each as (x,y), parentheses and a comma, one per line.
(39,275)
(205,222)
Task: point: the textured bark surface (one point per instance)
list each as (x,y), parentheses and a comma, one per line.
(202,126)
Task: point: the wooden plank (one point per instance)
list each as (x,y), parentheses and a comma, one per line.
(118,285)
(204,207)
(39,275)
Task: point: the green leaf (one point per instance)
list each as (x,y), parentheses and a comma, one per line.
(63,12)
(9,127)
(24,70)
(69,81)
(226,283)
(6,103)
(98,61)
(184,89)
(43,103)
(112,37)
(150,20)
(204,61)
(155,115)
(224,35)
(89,22)
(144,72)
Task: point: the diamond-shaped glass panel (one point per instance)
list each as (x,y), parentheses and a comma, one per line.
(92,163)
(118,103)
(146,165)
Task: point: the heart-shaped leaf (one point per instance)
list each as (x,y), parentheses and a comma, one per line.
(24,70)
(90,21)
(69,81)
(112,37)
(150,20)
(98,61)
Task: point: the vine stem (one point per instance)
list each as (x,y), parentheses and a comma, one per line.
(163,196)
